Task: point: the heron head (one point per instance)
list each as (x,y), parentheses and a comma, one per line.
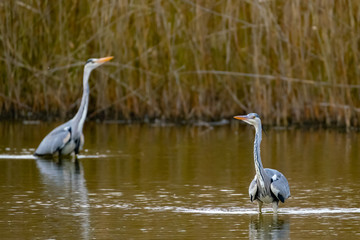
(251,118)
(93,63)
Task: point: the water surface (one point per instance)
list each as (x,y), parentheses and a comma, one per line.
(149,182)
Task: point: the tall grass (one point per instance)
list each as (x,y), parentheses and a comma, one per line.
(291,61)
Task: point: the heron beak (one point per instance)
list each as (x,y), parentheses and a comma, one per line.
(105,59)
(241,117)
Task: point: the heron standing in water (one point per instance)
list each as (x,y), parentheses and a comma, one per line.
(68,137)
(269,185)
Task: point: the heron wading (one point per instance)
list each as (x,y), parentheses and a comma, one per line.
(269,185)
(68,138)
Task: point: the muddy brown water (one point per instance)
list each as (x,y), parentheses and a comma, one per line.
(177,182)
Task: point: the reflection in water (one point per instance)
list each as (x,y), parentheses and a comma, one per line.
(269,227)
(66,190)
(142,182)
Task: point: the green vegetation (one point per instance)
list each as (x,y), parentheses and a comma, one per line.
(290,61)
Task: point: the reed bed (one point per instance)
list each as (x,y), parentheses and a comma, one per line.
(293,62)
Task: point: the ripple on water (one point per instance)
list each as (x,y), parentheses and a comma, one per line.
(31,156)
(292,211)
(11,156)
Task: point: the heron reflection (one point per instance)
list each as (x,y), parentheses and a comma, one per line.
(264,226)
(66,191)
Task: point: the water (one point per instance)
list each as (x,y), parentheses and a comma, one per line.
(148,182)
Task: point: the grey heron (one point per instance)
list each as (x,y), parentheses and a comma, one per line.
(68,137)
(269,185)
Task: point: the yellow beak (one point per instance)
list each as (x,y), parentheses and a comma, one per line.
(240,117)
(104,59)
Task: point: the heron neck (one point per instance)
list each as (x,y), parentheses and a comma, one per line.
(257,158)
(80,116)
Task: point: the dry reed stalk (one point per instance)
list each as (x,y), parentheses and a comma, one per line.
(294,62)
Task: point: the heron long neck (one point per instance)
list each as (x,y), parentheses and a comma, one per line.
(257,158)
(80,116)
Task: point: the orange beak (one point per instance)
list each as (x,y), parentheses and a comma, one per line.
(104,59)
(240,117)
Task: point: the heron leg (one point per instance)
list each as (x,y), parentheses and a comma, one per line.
(275,206)
(55,156)
(76,159)
(73,157)
(260,206)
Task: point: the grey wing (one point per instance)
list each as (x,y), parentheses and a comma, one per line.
(54,141)
(279,184)
(253,189)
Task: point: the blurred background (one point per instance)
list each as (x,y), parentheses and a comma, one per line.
(193,62)
(293,62)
